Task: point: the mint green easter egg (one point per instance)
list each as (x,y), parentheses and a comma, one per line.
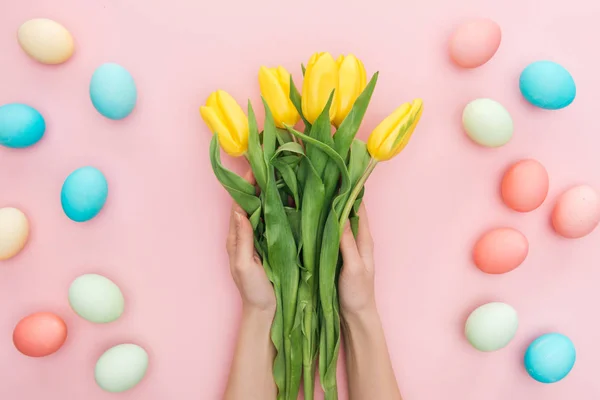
(96,298)
(487,123)
(491,326)
(121,368)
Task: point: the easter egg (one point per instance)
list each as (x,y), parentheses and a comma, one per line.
(577,212)
(84,193)
(121,367)
(491,326)
(550,358)
(113,91)
(46,41)
(14,231)
(500,250)
(525,185)
(548,85)
(40,334)
(487,123)
(474,43)
(20,125)
(96,298)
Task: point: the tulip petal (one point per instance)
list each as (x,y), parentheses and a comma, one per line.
(276,94)
(211,118)
(397,141)
(320,79)
(385,129)
(233,116)
(353,80)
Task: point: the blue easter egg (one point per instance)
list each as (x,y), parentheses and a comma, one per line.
(83,194)
(20,125)
(548,85)
(550,358)
(113,91)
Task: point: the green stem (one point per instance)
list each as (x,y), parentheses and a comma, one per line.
(354,194)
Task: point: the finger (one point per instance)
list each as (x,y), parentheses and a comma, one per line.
(249,176)
(364,240)
(244,240)
(350,254)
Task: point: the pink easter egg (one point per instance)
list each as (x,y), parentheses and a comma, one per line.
(525,186)
(500,250)
(475,42)
(577,212)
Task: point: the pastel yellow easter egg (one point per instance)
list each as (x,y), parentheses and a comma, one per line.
(14,231)
(46,41)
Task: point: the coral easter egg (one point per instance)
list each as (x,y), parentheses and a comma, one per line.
(40,334)
(577,212)
(474,43)
(525,186)
(500,250)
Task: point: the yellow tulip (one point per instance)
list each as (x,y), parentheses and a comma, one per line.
(391,136)
(275,89)
(320,79)
(353,80)
(226,118)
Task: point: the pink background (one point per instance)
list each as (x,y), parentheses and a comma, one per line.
(161,234)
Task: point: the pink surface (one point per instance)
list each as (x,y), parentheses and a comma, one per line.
(161,235)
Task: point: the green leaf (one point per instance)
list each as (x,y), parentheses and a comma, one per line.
(303,69)
(289,176)
(297,102)
(242,191)
(359,159)
(269,134)
(292,147)
(255,152)
(283,136)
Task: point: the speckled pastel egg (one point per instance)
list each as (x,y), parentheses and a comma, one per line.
(548,85)
(46,41)
(491,326)
(20,125)
(475,42)
(550,358)
(40,334)
(121,367)
(84,193)
(487,123)
(500,250)
(525,185)
(96,298)
(113,91)
(577,212)
(14,232)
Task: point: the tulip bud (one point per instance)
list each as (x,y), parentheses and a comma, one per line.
(275,89)
(352,81)
(320,79)
(227,119)
(391,136)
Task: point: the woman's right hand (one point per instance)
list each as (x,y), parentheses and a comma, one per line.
(357,277)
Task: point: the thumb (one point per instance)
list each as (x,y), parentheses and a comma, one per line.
(244,238)
(350,254)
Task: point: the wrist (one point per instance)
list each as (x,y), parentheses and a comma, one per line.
(362,318)
(258,314)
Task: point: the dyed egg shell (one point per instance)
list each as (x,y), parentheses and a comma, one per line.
(577,212)
(84,193)
(40,334)
(113,91)
(487,123)
(550,358)
(46,41)
(525,186)
(500,250)
(474,43)
(121,367)
(20,125)
(491,326)
(548,85)
(96,298)
(14,231)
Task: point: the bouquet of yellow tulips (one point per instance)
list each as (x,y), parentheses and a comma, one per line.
(311,183)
